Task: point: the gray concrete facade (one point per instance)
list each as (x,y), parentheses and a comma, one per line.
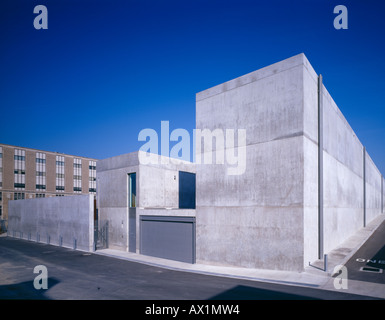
(156,194)
(269,216)
(63,221)
(308,183)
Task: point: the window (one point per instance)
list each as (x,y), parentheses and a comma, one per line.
(40,195)
(77,175)
(20,158)
(19,169)
(18,195)
(1,196)
(92,176)
(132,190)
(40,168)
(40,157)
(60,183)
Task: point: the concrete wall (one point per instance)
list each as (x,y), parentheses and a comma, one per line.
(310,145)
(156,187)
(255,219)
(344,199)
(57,220)
(112,195)
(372,190)
(268,217)
(343,176)
(383,195)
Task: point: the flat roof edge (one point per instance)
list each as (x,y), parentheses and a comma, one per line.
(299,59)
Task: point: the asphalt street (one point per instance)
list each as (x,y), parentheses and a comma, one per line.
(79,275)
(368,263)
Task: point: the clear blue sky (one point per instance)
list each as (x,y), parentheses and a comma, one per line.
(104,70)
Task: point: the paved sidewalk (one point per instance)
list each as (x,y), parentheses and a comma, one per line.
(313,276)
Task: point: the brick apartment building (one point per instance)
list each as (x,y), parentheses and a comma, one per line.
(29,173)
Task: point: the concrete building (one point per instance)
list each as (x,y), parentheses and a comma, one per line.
(306,186)
(279,180)
(150,208)
(27,173)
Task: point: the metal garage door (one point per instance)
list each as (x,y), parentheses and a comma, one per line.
(168,237)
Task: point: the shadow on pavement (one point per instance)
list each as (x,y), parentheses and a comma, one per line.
(25,291)
(250,293)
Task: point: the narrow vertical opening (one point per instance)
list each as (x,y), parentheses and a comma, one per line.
(132,190)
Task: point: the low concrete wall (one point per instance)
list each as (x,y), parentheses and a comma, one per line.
(57,220)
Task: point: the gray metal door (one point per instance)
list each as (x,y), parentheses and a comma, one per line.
(168,237)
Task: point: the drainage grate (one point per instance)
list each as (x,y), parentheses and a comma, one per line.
(371,269)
